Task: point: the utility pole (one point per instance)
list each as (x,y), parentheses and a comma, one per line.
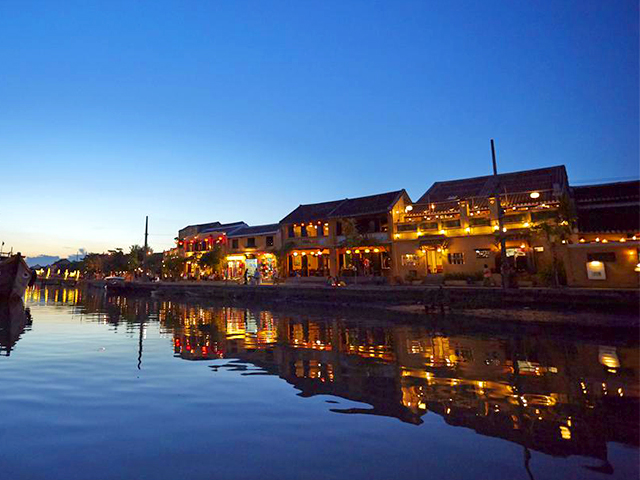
(504,265)
(146,240)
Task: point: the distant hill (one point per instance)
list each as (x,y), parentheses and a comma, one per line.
(41,260)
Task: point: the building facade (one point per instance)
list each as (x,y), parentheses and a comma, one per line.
(454,228)
(604,250)
(346,238)
(250,249)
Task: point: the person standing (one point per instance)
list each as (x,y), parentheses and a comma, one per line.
(486,276)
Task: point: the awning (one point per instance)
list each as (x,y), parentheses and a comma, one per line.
(433,241)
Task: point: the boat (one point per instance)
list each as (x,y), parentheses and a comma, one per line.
(15,276)
(114,284)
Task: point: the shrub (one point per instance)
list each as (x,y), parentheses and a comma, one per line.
(546,275)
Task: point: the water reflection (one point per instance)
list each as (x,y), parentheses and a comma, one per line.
(14,320)
(559,396)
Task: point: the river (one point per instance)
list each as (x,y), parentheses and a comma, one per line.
(110,387)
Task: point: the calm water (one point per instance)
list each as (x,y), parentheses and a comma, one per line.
(97,387)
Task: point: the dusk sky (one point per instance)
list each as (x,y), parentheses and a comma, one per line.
(192,112)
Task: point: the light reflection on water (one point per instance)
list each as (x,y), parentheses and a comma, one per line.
(98,384)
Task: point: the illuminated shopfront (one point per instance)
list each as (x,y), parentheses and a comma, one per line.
(237,265)
(364,261)
(309,263)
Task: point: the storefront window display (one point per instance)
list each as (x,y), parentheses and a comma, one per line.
(309,263)
(364,261)
(238,264)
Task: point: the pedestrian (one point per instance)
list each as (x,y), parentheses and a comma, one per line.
(486,276)
(256,277)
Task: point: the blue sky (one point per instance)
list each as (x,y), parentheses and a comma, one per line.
(199,111)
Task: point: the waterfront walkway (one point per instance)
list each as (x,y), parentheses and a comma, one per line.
(405,298)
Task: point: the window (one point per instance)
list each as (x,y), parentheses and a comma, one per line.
(338,228)
(482,253)
(409,259)
(517,218)
(601,257)
(251,242)
(543,215)
(479,222)
(310,230)
(234,243)
(269,241)
(452,223)
(456,258)
(407,227)
(291,231)
(429,226)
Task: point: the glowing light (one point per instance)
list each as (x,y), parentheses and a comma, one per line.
(366,250)
(376,250)
(582,240)
(295,254)
(622,240)
(408,208)
(442,232)
(604,240)
(504,229)
(598,239)
(357,251)
(496,227)
(534,195)
(527,224)
(468,229)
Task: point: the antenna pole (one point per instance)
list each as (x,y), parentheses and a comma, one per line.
(504,264)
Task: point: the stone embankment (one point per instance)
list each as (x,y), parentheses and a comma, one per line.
(433,298)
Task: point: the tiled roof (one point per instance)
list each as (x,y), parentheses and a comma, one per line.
(372,204)
(225,227)
(349,207)
(611,207)
(256,230)
(313,211)
(619,192)
(515,182)
(611,219)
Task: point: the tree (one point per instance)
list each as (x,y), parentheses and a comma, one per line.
(281,256)
(558,230)
(93,264)
(135,258)
(211,260)
(173,266)
(353,236)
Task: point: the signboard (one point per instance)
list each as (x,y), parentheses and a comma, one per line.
(251,265)
(596,271)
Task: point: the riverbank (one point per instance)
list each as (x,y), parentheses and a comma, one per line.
(587,307)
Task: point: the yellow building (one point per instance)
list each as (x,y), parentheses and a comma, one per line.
(195,240)
(454,227)
(250,249)
(604,251)
(346,238)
